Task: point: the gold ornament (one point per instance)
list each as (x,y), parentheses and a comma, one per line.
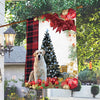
(74,35)
(35,19)
(30,86)
(75,72)
(65,12)
(63,68)
(71,63)
(60,79)
(34,86)
(26,84)
(66,87)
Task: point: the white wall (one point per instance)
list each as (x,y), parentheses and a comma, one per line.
(2,14)
(85,92)
(15,72)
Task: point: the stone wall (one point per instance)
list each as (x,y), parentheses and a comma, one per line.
(85,92)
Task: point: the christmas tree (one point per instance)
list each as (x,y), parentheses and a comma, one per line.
(50,57)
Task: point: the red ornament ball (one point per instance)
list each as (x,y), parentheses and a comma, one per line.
(46,84)
(56,82)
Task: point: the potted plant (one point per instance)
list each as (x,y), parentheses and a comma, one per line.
(95,90)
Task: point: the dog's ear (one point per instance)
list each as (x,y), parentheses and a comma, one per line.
(43,52)
(34,54)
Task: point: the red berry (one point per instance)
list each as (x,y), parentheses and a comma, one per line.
(46,84)
(39,81)
(33,82)
(30,83)
(67,80)
(53,80)
(69,34)
(42,17)
(57,87)
(73,44)
(56,82)
(41,87)
(43,82)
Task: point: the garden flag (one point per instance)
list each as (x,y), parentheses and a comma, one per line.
(32,45)
(51,60)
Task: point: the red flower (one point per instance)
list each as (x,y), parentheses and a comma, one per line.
(30,83)
(73,44)
(71,14)
(69,34)
(41,87)
(56,82)
(42,17)
(53,80)
(57,87)
(33,82)
(39,81)
(46,84)
(43,82)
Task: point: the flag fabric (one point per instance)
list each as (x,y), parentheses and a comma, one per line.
(32,45)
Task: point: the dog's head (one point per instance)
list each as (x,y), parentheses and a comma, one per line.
(38,54)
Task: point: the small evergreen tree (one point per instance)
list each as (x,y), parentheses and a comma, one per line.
(95,90)
(50,57)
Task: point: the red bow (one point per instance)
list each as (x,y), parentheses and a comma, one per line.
(60,24)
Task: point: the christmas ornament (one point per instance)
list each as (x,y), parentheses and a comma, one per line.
(60,79)
(73,44)
(71,14)
(64,12)
(73,83)
(35,86)
(67,80)
(74,35)
(68,14)
(56,82)
(35,19)
(63,83)
(41,87)
(71,63)
(69,34)
(26,84)
(66,87)
(46,84)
